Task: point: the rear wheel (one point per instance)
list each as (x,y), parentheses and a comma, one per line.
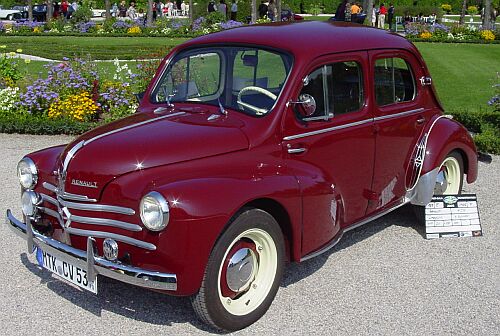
(449,180)
(243,272)
(9,17)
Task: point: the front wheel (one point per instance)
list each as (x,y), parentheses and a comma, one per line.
(243,272)
(449,180)
(9,17)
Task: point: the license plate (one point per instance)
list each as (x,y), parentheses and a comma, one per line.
(66,270)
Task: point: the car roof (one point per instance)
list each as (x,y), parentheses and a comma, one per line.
(309,37)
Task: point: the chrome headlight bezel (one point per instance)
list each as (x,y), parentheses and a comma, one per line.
(154,211)
(29,203)
(24,167)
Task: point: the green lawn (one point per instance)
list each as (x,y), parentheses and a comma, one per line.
(463,74)
(57,47)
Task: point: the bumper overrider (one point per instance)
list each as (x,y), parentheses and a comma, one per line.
(89,261)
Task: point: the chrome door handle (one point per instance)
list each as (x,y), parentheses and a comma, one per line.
(420,120)
(296,150)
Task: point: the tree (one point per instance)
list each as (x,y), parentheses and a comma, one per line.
(254,11)
(462,12)
(487,22)
(30,10)
(149,13)
(369,11)
(50,10)
(107,6)
(190,12)
(278,10)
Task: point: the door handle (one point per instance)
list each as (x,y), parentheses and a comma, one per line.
(295,150)
(420,120)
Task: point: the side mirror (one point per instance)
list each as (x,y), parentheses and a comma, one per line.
(307,104)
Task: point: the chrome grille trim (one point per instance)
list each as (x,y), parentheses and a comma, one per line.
(106,222)
(49,199)
(66,195)
(52,213)
(97,207)
(123,239)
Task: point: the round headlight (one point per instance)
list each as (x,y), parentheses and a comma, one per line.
(29,201)
(155,212)
(27,173)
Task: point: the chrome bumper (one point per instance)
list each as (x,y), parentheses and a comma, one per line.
(89,261)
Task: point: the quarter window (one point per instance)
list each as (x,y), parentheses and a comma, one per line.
(394,82)
(336,88)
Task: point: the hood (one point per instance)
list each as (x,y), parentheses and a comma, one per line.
(143,141)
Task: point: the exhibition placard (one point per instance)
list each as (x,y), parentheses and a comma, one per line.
(452,216)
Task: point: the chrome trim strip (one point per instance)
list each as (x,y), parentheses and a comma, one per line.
(106,222)
(50,187)
(337,238)
(132,126)
(116,270)
(66,195)
(49,199)
(296,150)
(400,114)
(54,214)
(123,239)
(71,154)
(325,130)
(96,207)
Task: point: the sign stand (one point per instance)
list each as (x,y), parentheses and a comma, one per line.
(452,216)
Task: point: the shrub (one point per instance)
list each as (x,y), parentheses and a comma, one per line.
(446,8)
(82,14)
(472,10)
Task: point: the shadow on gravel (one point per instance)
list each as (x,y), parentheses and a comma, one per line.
(126,300)
(403,216)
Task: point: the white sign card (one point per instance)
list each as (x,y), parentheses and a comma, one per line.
(452,216)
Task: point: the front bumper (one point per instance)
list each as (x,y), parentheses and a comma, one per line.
(89,261)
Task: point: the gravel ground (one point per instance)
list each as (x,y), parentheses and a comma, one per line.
(381,279)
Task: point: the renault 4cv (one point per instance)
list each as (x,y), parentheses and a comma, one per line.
(251,147)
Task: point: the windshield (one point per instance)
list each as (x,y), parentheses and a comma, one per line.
(240,78)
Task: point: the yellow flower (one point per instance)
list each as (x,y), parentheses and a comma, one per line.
(80,107)
(12,54)
(487,35)
(27,61)
(425,34)
(3,46)
(19,50)
(134,30)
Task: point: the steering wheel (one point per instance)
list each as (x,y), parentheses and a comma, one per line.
(256,109)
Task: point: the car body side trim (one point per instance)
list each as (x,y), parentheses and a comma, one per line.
(400,114)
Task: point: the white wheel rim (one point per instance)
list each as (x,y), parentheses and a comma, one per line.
(450,177)
(263,275)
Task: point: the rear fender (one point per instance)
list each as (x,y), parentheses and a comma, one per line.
(443,135)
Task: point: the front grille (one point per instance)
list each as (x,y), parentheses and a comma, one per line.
(64,216)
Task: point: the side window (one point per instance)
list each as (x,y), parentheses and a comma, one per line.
(336,89)
(394,82)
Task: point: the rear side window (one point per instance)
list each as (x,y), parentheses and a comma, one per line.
(394,81)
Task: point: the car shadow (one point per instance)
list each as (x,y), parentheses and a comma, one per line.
(159,309)
(126,300)
(403,216)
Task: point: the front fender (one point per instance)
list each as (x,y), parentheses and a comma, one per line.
(201,205)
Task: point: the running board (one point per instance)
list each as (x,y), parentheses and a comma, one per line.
(339,235)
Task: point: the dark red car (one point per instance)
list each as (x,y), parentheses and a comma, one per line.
(251,147)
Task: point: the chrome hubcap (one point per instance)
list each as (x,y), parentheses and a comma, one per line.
(240,270)
(441,183)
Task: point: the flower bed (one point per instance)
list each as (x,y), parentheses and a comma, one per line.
(441,33)
(115,27)
(73,97)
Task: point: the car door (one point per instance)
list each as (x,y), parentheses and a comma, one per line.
(400,116)
(331,151)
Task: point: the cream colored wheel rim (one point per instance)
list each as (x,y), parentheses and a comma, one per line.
(449,177)
(262,278)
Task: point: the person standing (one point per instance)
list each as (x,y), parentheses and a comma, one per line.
(271,10)
(390,16)
(340,12)
(381,16)
(122,9)
(223,7)
(262,9)
(131,12)
(64,9)
(234,10)
(211,7)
